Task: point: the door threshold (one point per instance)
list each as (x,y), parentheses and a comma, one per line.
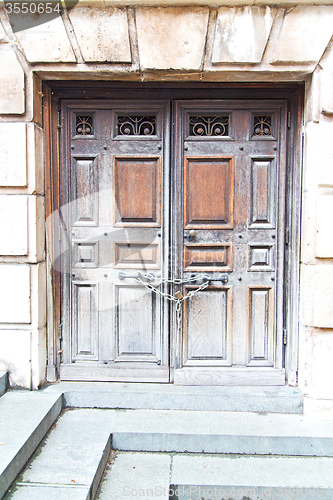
(279,399)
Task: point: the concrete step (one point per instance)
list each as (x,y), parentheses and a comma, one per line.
(282,399)
(215,477)
(25,417)
(3,382)
(70,462)
(222,432)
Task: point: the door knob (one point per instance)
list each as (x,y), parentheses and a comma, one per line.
(192,234)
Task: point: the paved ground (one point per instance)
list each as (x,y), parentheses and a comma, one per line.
(135,476)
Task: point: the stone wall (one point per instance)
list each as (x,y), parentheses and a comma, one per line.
(316,296)
(97,40)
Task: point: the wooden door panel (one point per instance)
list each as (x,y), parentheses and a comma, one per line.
(261,257)
(137,191)
(85,254)
(207,328)
(137,255)
(135,324)
(85,187)
(261,326)
(208,196)
(85,325)
(207,257)
(262,201)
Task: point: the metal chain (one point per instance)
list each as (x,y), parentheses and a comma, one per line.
(168,296)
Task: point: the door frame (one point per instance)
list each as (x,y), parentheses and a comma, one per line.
(293,93)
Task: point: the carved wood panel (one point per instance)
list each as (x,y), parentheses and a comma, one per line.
(208,192)
(137,191)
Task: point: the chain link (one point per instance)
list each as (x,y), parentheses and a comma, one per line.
(172,298)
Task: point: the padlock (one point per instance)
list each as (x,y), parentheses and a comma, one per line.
(179,295)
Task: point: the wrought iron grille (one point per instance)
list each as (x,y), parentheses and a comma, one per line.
(84,125)
(136,125)
(211,126)
(262,125)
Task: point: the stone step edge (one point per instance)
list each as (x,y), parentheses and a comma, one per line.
(306,446)
(3,382)
(117,396)
(248,492)
(92,488)
(22,455)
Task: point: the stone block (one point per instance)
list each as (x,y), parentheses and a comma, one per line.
(36,228)
(38,357)
(35,158)
(241,34)
(15,293)
(15,356)
(324,240)
(319,409)
(318,169)
(326,86)
(308,227)
(13,225)
(37,99)
(12,96)
(312,98)
(316,295)
(149,470)
(305,33)
(171,37)
(47,42)
(13,145)
(108,38)
(322,367)
(38,295)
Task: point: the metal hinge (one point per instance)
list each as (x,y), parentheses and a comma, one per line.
(288,119)
(60,331)
(59,122)
(285,336)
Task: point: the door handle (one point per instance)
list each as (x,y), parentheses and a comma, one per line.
(149,277)
(224,278)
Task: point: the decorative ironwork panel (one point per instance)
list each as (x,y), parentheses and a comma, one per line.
(136,125)
(262,125)
(84,125)
(209,126)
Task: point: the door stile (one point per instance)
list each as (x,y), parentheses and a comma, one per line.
(282,224)
(64,224)
(176,215)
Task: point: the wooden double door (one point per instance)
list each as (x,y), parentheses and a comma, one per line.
(191,190)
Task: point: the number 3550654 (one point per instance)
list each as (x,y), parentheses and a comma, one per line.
(32,7)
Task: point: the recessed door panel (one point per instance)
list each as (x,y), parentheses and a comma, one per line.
(207,327)
(137,191)
(208,197)
(135,313)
